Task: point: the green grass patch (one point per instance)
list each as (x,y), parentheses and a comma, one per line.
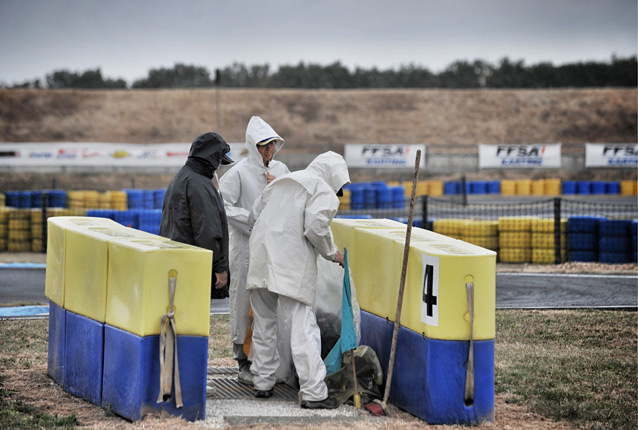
(19,415)
(578,366)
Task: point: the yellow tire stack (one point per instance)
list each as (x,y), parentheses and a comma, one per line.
(103,201)
(538,187)
(4,227)
(628,188)
(481,233)
(75,199)
(19,231)
(553,187)
(119,201)
(90,199)
(36,230)
(422,189)
(515,239)
(449,227)
(435,188)
(523,187)
(344,201)
(508,187)
(543,241)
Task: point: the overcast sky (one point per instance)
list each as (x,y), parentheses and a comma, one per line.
(128,38)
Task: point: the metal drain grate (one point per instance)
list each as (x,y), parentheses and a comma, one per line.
(222,370)
(231,388)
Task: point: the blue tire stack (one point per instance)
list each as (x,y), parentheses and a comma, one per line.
(102,213)
(148,199)
(569,187)
(36,199)
(356,196)
(128,218)
(158,198)
(612,187)
(494,187)
(369,196)
(384,195)
(582,238)
(398,197)
(452,188)
(149,220)
(615,241)
(56,198)
(135,199)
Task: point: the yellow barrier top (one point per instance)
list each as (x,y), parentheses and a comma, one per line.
(435,298)
(138,294)
(343,230)
(77,256)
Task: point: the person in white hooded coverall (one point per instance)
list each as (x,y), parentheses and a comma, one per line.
(240,186)
(292,226)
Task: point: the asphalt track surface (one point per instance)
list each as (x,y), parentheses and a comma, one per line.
(24,285)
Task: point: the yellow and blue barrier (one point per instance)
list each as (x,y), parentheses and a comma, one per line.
(108,287)
(444,329)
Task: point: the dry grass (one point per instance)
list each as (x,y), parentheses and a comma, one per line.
(554,370)
(447,120)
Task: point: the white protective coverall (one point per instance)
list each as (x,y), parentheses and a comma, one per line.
(293,226)
(240,186)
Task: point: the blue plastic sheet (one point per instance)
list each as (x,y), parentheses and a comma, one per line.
(348,338)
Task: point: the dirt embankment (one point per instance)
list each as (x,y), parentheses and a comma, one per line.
(445,120)
(448,121)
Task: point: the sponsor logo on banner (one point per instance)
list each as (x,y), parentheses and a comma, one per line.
(611,155)
(380,155)
(519,156)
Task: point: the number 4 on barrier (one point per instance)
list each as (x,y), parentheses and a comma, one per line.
(430,293)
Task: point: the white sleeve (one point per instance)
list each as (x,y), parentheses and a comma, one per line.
(320,209)
(230,187)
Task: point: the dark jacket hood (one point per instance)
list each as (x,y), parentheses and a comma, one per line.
(210,148)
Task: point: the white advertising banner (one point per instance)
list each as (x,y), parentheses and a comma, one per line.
(611,155)
(541,155)
(383,155)
(95,154)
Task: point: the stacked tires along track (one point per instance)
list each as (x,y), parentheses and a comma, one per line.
(615,241)
(582,238)
(481,233)
(515,238)
(544,241)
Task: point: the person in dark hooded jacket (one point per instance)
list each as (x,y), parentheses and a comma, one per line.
(193,210)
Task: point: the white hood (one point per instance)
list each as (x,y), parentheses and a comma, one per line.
(256,131)
(332,168)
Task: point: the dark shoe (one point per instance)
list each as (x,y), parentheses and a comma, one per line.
(264,394)
(327,403)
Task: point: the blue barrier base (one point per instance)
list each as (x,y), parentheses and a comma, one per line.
(57,335)
(132,375)
(84,351)
(429,374)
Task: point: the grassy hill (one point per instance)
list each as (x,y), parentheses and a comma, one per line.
(448,121)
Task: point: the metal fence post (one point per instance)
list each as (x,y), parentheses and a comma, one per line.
(424,200)
(45,203)
(557,232)
(464,190)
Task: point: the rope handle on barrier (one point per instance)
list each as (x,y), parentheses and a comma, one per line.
(168,349)
(469,373)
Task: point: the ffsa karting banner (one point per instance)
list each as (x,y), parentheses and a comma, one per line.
(611,155)
(381,155)
(541,155)
(95,154)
